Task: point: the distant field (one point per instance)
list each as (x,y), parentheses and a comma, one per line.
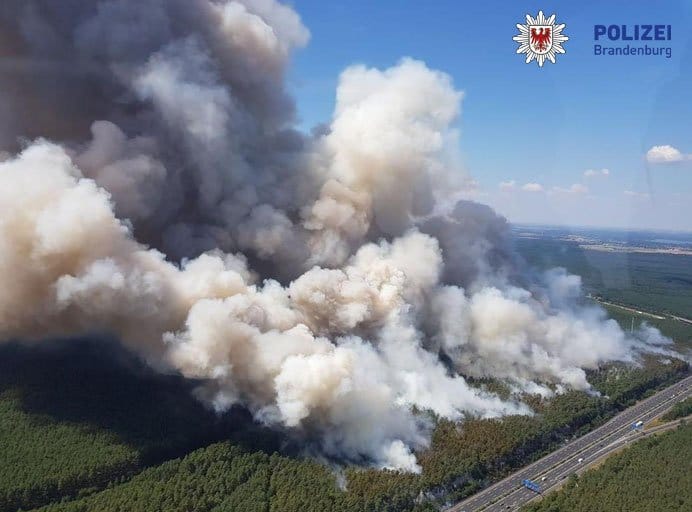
(659,283)
(680,332)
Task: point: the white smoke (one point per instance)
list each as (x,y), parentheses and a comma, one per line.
(365,269)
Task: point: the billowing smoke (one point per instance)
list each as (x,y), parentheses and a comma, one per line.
(153,186)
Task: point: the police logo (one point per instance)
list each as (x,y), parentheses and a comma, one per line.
(540,38)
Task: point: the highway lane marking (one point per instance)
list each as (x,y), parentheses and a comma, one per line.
(645,407)
(620,441)
(470,502)
(590,464)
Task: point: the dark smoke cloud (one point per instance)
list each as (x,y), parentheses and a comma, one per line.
(153,186)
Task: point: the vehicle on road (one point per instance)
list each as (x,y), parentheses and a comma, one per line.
(609,437)
(529,484)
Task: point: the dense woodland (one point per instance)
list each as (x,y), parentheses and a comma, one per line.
(655,474)
(78,415)
(86,427)
(679,410)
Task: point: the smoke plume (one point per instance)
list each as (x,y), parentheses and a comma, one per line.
(153,186)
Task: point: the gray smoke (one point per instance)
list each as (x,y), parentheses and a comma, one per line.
(153,186)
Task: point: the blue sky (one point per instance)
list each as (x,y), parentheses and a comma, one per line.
(522,124)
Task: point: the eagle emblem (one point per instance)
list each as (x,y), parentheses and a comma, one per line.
(540,38)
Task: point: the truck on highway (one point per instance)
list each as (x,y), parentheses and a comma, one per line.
(531,485)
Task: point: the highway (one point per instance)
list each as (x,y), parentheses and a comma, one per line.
(551,470)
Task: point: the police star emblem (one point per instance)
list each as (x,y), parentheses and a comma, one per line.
(540,38)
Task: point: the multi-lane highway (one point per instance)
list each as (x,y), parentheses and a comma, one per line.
(551,470)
